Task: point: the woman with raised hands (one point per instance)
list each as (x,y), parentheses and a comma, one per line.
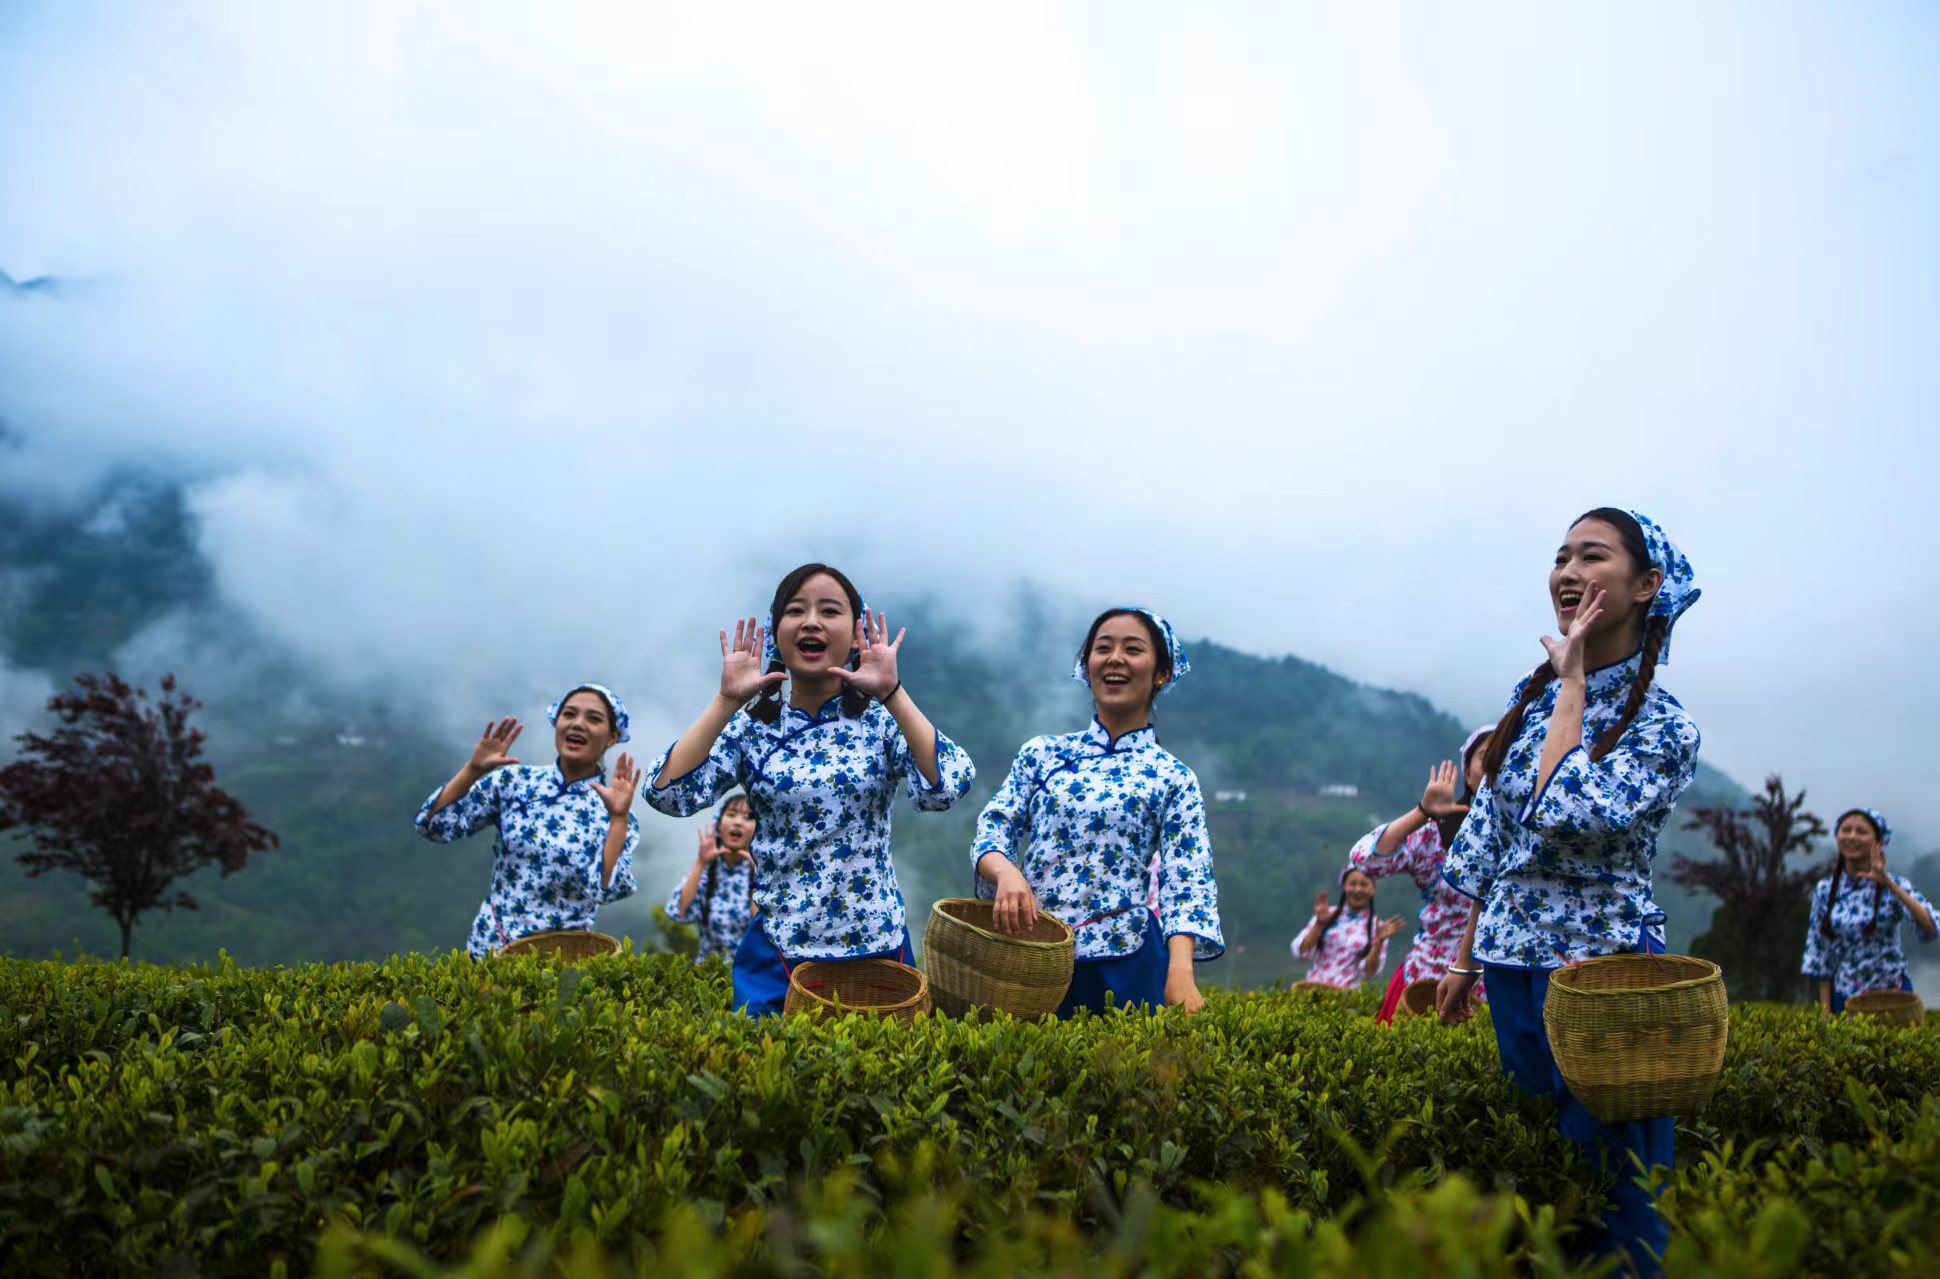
(1852,940)
(1080,818)
(1414,845)
(717,894)
(1579,777)
(820,768)
(1346,941)
(565,835)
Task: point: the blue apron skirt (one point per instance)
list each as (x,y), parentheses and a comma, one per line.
(761,972)
(1137,978)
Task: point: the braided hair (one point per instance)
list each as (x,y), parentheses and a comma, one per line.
(766,706)
(1839,870)
(1655,629)
(1341,906)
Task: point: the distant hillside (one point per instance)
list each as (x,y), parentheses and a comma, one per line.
(1297,762)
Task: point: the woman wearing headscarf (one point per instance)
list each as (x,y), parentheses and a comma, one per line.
(1852,942)
(821,773)
(1556,850)
(565,840)
(717,895)
(1346,941)
(1414,844)
(1078,822)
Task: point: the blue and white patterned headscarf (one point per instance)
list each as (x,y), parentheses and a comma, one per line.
(770,654)
(1877,818)
(1679,590)
(1181,664)
(613,703)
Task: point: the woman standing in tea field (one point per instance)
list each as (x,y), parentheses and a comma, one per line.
(1080,818)
(717,895)
(565,841)
(1347,941)
(1414,845)
(820,769)
(1580,775)
(1852,942)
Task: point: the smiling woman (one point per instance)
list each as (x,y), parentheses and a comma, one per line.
(1081,817)
(565,840)
(821,774)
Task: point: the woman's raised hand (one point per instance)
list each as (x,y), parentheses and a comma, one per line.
(1015,912)
(617,794)
(1438,797)
(1323,906)
(742,662)
(493,745)
(1389,927)
(875,672)
(1566,654)
(710,847)
(1876,869)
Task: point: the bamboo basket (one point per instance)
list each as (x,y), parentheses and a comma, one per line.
(1418,998)
(1901,1007)
(1638,1036)
(570,944)
(879,987)
(972,965)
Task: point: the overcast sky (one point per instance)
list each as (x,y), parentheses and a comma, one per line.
(510,347)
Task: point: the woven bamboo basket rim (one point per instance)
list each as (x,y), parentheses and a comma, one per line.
(1889,997)
(955,910)
(533,943)
(1706,972)
(1327,987)
(896,978)
(1413,992)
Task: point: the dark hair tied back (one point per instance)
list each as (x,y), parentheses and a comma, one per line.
(766,706)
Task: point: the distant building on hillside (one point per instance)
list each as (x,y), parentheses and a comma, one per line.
(350,737)
(1229,797)
(1340,790)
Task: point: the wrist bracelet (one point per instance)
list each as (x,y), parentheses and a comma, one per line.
(884,699)
(1465,972)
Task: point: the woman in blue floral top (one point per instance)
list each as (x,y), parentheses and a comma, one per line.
(1075,827)
(1580,775)
(565,842)
(821,772)
(1852,943)
(718,893)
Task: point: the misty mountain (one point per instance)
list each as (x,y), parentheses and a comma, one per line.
(1297,762)
(46,285)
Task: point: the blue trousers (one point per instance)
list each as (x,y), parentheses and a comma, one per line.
(1839,1000)
(761,971)
(1631,1227)
(1137,978)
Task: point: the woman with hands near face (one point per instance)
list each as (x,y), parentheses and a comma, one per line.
(1079,820)
(1555,853)
(821,767)
(717,894)
(566,837)
(1346,941)
(1852,939)
(1414,845)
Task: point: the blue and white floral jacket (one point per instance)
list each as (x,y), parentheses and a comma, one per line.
(1852,960)
(1565,874)
(723,906)
(821,787)
(1082,815)
(548,857)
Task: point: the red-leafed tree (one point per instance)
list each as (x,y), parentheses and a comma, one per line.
(118,793)
(1757,933)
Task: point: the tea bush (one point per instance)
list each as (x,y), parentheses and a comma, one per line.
(219,1120)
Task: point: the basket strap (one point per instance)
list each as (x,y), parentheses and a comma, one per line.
(1107,915)
(503,940)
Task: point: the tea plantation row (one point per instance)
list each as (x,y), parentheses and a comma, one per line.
(516,1117)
